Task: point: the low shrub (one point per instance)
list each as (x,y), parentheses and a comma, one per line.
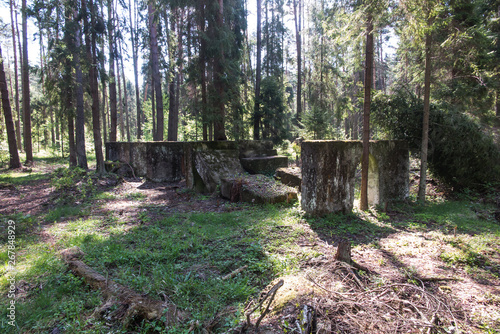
(460,153)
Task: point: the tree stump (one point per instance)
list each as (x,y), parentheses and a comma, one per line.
(344,252)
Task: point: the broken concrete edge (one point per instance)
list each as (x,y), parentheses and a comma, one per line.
(257,189)
(173,161)
(289,176)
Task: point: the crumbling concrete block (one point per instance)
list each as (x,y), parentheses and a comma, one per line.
(290,176)
(256,189)
(264,165)
(157,161)
(328,171)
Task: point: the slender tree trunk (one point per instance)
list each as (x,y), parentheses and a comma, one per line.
(103,85)
(155,66)
(16,78)
(257,115)
(202,68)
(173,111)
(425,124)
(90,42)
(298,42)
(125,94)
(153,108)
(81,154)
(14,161)
(120,101)
(133,42)
(112,78)
(28,146)
(366,114)
(219,129)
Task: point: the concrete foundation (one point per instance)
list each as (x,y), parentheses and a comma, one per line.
(329,167)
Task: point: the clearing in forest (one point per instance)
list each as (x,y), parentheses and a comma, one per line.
(432,268)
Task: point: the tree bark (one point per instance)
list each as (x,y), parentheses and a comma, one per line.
(298,42)
(90,41)
(14,161)
(16,78)
(219,129)
(366,114)
(125,95)
(202,68)
(257,116)
(425,124)
(81,154)
(173,110)
(112,77)
(28,146)
(133,40)
(155,66)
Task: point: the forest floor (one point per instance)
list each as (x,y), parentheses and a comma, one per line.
(432,268)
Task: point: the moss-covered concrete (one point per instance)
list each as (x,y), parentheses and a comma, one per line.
(328,170)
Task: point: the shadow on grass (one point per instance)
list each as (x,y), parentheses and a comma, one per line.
(336,227)
(182,257)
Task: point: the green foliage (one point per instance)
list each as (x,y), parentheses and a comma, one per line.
(460,153)
(75,183)
(273,108)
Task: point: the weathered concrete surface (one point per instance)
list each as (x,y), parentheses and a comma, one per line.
(256,189)
(206,162)
(264,165)
(259,157)
(328,170)
(203,164)
(157,161)
(290,176)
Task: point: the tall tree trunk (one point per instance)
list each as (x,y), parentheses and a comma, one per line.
(14,161)
(153,108)
(125,94)
(133,40)
(112,78)
(81,154)
(257,115)
(298,43)
(28,146)
(120,101)
(16,78)
(219,129)
(155,66)
(366,114)
(103,85)
(90,42)
(202,68)
(173,112)
(425,124)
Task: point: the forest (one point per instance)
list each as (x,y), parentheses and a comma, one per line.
(156,257)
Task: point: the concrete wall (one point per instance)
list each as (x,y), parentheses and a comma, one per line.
(157,161)
(328,174)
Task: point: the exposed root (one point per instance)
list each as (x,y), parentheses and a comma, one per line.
(131,305)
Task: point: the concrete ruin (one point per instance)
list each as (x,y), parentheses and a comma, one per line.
(328,174)
(204,165)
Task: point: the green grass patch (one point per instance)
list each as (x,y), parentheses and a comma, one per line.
(21,178)
(182,256)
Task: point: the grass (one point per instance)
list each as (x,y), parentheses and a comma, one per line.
(183,256)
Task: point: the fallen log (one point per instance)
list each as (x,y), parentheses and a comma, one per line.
(132,306)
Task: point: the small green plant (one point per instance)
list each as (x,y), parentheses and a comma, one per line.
(75,183)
